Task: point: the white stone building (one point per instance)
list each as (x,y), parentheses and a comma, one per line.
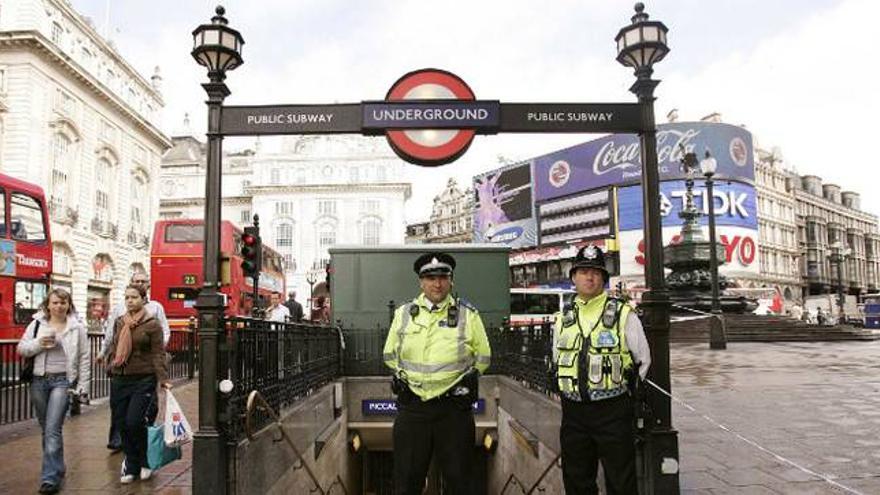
(452,216)
(78,120)
(779,251)
(318,191)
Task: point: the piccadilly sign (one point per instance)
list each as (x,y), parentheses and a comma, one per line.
(430,118)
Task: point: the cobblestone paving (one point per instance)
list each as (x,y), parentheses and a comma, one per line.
(91,468)
(815,404)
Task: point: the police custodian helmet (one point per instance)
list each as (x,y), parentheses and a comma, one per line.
(434,264)
(589,256)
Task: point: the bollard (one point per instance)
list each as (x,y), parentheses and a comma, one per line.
(717,332)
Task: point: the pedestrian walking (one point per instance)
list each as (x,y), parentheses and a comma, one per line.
(294,307)
(276,311)
(437,348)
(137,364)
(599,349)
(58,342)
(138,279)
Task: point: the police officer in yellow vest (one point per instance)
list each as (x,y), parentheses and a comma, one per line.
(599,344)
(437,348)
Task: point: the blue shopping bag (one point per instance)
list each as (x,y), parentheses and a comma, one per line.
(159,454)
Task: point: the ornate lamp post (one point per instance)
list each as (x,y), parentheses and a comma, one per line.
(640,45)
(708,165)
(217,47)
(839,254)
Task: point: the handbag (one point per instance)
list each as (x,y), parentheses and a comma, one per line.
(159,454)
(27,368)
(177,428)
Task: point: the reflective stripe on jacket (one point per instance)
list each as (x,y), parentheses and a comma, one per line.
(607,358)
(431,355)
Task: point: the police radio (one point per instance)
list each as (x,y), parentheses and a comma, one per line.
(452,313)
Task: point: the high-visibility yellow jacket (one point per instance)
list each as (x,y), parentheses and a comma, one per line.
(430,354)
(591,354)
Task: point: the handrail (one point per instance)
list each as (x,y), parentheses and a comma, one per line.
(256,401)
(513,479)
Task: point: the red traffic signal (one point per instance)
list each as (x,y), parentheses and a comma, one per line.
(250,252)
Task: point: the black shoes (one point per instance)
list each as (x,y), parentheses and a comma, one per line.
(48,488)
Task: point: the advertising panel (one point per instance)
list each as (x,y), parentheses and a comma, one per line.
(735,204)
(741,250)
(504,211)
(616,159)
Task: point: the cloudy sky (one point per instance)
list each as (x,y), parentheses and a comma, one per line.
(796,73)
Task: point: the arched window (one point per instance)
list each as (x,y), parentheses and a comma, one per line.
(139,203)
(103,180)
(62,260)
(284,235)
(59,191)
(371,232)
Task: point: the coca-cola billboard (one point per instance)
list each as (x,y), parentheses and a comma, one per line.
(615,159)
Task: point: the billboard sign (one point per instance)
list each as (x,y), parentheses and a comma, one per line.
(615,159)
(735,204)
(504,211)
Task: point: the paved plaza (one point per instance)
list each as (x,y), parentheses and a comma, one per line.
(817,405)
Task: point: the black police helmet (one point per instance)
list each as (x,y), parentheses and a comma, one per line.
(590,256)
(435,263)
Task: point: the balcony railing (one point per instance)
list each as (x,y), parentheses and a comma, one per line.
(104,228)
(137,239)
(63,214)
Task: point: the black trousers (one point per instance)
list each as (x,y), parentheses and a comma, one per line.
(598,430)
(130,403)
(443,427)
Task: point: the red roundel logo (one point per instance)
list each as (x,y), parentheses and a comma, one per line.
(559,173)
(430,147)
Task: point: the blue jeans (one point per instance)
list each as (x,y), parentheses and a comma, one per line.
(49,398)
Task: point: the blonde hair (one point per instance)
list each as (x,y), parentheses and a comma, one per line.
(60,294)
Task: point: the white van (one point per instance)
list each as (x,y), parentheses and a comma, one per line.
(536,305)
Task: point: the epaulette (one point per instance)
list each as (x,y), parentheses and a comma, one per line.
(467,304)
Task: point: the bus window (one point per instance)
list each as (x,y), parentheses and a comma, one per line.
(26,218)
(28,297)
(187,295)
(2,213)
(183,232)
(534,304)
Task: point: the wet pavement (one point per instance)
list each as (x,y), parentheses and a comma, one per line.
(91,468)
(815,405)
(800,418)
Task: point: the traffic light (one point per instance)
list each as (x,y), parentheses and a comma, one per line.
(251,249)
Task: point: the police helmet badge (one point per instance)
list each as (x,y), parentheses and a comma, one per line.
(590,252)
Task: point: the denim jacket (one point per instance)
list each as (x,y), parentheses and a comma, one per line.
(75,341)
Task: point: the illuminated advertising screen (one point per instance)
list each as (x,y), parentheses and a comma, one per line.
(504,211)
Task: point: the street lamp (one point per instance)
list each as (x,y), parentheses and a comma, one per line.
(839,255)
(640,45)
(217,47)
(708,165)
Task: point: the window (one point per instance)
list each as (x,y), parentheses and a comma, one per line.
(108,131)
(245,217)
(381,174)
(140,154)
(369,206)
(184,233)
(64,102)
(138,200)
(26,218)
(326,237)
(28,296)
(103,179)
(354,174)
(275,176)
(371,234)
(284,208)
(62,261)
(57,32)
(284,235)
(326,207)
(60,166)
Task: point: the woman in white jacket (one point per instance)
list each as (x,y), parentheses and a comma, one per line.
(59,344)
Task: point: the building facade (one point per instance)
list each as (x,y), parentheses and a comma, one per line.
(79,121)
(452,215)
(315,193)
(825,216)
(778,246)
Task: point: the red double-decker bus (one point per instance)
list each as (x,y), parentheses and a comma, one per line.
(177,272)
(25,254)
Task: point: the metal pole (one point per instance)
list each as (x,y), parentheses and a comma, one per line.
(840,298)
(661,456)
(713,252)
(209,462)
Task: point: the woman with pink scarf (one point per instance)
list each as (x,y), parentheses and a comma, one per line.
(137,364)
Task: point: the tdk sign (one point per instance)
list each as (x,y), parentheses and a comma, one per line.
(388,407)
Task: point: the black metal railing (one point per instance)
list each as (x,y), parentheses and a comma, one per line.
(284,362)
(523,352)
(363,352)
(15,402)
